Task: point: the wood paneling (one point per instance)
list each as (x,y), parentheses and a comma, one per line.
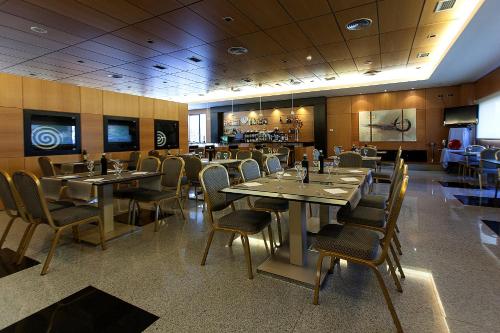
(165,110)
(116,104)
(488,85)
(11,91)
(147,134)
(92,133)
(51,96)
(183,128)
(338,123)
(11,132)
(146,107)
(12,164)
(91,100)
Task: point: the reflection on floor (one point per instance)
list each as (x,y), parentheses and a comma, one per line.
(449,262)
(493,225)
(8,264)
(471,200)
(464,185)
(88,310)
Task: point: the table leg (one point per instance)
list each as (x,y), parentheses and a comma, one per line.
(298,232)
(325,215)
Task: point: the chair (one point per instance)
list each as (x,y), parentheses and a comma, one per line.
(37,212)
(369,152)
(46,166)
(11,204)
(284,159)
(200,152)
(193,167)
(360,246)
(469,162)
(172,169)
(154,153)
(243,154)
(134,159)
(267,150)
(484,167)
(387,176)
(259,157)
(222,155)
(350,159)
(243,222)
(497,184)
(234,152)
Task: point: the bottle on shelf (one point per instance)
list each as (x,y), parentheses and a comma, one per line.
(104,165)
(85,156)
(305,165)
(321,159)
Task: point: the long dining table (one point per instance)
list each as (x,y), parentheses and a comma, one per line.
(294,261)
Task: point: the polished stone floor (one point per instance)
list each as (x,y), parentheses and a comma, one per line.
(451,259)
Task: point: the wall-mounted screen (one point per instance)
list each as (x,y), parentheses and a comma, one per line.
(51,133)
(121,134)
(167,134)
(461,116)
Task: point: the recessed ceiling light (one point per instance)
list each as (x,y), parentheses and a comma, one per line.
(422,54)
(228,19)
(150,41)
(412,88)
(330,78)
(32,74)
(309,58)
(235,89)
(161,67)
(194,59)
(237,50)
(371,72)
(419,67)
(431,36)
(247,80)
(81,61)
(38,30)
(385,90)
(358,24)
(368,62)
(115,76)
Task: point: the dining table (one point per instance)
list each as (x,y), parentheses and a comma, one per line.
(294,261)
(225,162)
(104,185)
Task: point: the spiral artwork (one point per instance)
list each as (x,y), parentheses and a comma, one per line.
(46,138)
(161,138)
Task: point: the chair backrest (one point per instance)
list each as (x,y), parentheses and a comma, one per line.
(214,178)
(8,195)
(32,197)
(46,166)
(267,150)
(192,166)
(222,155)
(249,170)
(497,155)
(315,154)
(234,152)
(172,169)
(396,174)
(134,158)
(370,152)
(475,148)
(258,156)
(284,150)
(272,164)
(488,154)
(350,159)
(150,164)
(243,154)
(200,151)
(337,150)
(51,188)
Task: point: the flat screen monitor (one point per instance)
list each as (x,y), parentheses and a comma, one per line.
(461,116)
(121,134)
(167,134)
(51,133)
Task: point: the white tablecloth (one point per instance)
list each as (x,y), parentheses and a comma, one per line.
(447,156)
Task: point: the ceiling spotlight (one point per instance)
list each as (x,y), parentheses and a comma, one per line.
(330,78)
(194,59)
(32,74)
(237,50)
(368,62)
(385,90)
(431,36)
(115,76)
(81,61)
(412,88)
(160,67)
(228,19)
(371,72)
(359,24)
(38,30)
(422,54)
(150,41)
(309,58)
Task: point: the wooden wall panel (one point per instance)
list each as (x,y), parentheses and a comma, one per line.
(51,96)
(92,133)
(165,110)
(11,164)
(11,132)
(91,100)
(183,128)
(338,123)
(116,104)
(467,94)
(488,85)
(11,91)
(147,135)
(146,107)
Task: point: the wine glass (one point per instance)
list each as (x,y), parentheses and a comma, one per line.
(328,167)
(365,151)
(90,167)
(303,174)
(336,163)
(315,165)
(118,166)
(279,175)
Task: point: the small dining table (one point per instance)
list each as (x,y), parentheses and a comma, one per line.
(225,162)
(294,261)
(104,184)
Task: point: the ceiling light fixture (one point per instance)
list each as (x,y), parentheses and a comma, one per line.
(371,72)
(359,24)
(443,5)
(330,78)
(115,76)
(228,19)
(309,58)
(81,61)
(422,54)
(160,67)
(194,59)
(38,30)
(150,41)
(237,50)
(368,62)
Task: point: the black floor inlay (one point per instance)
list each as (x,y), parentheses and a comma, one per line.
(464,185)
(8,260)
(493,225)
(88,310)
(146,217)
(479,201)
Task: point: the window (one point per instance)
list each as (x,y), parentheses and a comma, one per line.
(197,128)
(489,118)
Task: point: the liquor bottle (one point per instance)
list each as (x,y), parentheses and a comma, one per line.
(85,156)
(104,165)
(305,165)
(321,159)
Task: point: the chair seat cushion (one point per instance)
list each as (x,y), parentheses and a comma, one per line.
(184,180)
(230,197)
(245,220)
(124,193)
(280,205)
(369,164)
(368,216)
(55,205)
(381,175)
(374,201)
(69,215)
(348,240)
(152,195)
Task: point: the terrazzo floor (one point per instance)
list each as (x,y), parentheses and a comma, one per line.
(451,260)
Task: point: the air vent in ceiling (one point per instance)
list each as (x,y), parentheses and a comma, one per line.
(160,67)
(331,78)
(115,76)
(443,5)
(371,72)
(423,54)
(359,24)
(194,59)
(235,89)
(294,82)
(247,80)
(237,50)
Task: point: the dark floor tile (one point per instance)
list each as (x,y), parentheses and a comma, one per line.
(464,185)
(493,225)
(146,217)
(88,310)
(8,260)
(479,201)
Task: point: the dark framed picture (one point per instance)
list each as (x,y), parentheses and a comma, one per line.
(167,134)
(120,134)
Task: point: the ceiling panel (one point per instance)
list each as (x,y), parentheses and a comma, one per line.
(399,14)
(61,57)
(126,46)
(365,46)
(260,44)
(339,5)
(28,38)
(322,29)
(395,58)
(415,51)
(18,55)
(109,51)
(119,9)
(321,70)
(343,66)
(146,39)
(169,32)
(367,63)
(365,11)
(290,37)
(94,56)
(156,7)
(429,17)
(301,10)
(429,35)
(396,40)
(23,47)
(335,51)
(56,68)
(50,61)
(265,13)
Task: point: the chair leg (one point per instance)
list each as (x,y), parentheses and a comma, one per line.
(230,240)
(396,228)
(396,261)
(207,247)
(265,241)
(271,238)
(319,264)
(278,221)
(333,261)
(398,244)
(180,207)
(246,245)
(157,216)
(76,234)
(393,274)
(388,300)
(25,242)
(479,175)
(102,236)
(6,231)
(51,252)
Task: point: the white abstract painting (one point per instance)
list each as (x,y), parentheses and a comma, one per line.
(364,126)
(388,125)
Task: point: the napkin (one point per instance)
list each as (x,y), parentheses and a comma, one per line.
(252,184)
(93,180)
(350,179)
(355,171)
(140,173)
(68,177)
(334,190)
(287,175)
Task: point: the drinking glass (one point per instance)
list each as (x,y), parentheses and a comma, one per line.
(118,166)
(328,167)
(90,167)
(279,175)
(303,174)
(336,163)
(315,165)
(365,151)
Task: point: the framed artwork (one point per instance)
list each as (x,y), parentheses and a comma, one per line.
(388,125)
